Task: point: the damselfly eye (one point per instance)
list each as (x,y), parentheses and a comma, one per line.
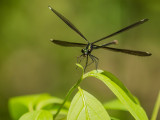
(82,50)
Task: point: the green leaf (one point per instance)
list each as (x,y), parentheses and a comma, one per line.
(156,108)
(114,105)
(86,107)
(37,115)
(22,104)
(123,94)
(53,105)
(44,104)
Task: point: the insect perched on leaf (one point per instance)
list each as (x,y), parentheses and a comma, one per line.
(88,47)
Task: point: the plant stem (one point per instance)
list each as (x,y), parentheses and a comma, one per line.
(156,108)
(67,96)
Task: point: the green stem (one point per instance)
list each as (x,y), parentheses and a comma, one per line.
(156,108)
(68,94)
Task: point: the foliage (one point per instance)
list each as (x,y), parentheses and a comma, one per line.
(84,106)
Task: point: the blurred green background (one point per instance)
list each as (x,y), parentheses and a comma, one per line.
(31,64)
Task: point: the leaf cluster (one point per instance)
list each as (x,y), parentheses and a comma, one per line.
(83,106)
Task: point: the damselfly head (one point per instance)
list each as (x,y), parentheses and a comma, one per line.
(86,51)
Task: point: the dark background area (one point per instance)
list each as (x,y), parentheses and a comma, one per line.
(31,64)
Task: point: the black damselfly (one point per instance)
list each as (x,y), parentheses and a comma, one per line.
(86,52)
